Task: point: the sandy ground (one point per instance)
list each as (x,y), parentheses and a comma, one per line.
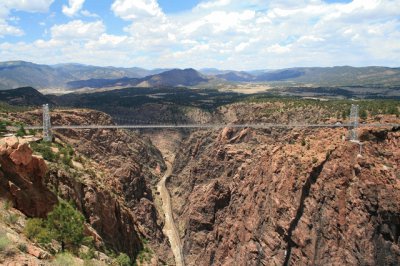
(170,229)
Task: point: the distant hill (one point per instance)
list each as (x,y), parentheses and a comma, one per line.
(172,78)
(322,76)
(14,74)
(24,96)
(236,76)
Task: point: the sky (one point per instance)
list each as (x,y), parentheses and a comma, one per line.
(224,34)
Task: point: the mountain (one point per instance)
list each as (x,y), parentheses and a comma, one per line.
(321,76)
(14,74)
(280,75)
(213,71)
(23,96)
(347,75)
(236,76)
(174,77)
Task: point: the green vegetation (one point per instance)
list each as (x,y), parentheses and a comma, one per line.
(22,247)
(11,218)
(6,205)
(54,152)
(363,114)
(146,253)
(36,229)
(6,108)
(67,154)
(64,224)
(64,259)
(44,148)
(4,242)
(337,108)
(21,131)
(123,260)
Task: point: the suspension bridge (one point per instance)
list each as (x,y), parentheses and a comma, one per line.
(352,125)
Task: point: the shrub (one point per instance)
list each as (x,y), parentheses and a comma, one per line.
(44,148)
(11,218)
(6,205)
(363,114)
(21,131)
(123,260)
(22,247)
(4,242)
(303,142)
(35,229)
(88,255)
(64,259)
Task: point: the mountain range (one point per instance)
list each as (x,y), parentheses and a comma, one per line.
(14,74)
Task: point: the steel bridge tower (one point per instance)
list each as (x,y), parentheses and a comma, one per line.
(46,124)
(354,123)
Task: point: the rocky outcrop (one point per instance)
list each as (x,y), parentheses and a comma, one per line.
(22,178)
(300,197)
(115,194)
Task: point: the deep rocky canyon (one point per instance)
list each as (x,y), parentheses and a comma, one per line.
(239,196)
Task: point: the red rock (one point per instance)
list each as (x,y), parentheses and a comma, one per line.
(22,155)
(23,181)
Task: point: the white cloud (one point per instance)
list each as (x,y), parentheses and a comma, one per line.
(78,30)
(226,34)
(6,29)
(6,6)
(213,4)
(25,5)
(278,49)
(89,14)
(73,8)
(138,9)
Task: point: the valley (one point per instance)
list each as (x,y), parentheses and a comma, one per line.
(230,196)
(199,133)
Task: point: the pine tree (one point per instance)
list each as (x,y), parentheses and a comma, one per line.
(66,225)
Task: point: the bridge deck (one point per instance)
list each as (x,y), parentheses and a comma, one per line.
(211,126)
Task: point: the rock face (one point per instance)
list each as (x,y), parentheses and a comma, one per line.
(113,185)
(116,195)
(300,197)
(22,178)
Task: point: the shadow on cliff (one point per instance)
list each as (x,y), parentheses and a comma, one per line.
(305,192)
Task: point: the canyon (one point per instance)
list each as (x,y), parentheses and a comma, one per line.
(238,196)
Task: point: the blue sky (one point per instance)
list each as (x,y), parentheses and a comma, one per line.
(227,34)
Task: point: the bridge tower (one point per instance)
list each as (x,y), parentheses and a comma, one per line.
(354,123)
(46,123)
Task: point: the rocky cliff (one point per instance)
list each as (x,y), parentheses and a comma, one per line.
(110,179)
(22,178)
(240,196)
(288,197)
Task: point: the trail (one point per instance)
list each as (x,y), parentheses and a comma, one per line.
(170,229)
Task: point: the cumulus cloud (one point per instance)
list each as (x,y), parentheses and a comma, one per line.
(78,30)
(138,9)
(28,6)
(73,7)
(228,34)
